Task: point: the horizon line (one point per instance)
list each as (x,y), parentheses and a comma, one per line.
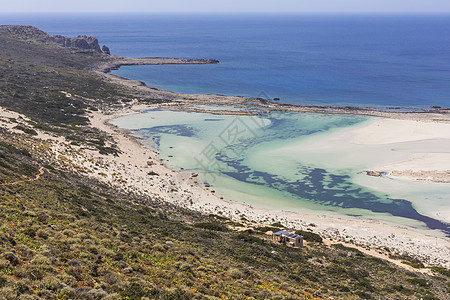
(228,13)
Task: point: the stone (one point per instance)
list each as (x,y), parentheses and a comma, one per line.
(105,49)
(374,173)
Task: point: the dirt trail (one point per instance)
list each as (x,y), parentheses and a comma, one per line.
(374,253)
(41,172)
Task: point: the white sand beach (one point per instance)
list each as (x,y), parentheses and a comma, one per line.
(130,171)
(431,247)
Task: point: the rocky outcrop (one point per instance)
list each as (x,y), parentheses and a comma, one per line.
(105,49)
(23,31)
(374,173)
(116,62)
(82,42)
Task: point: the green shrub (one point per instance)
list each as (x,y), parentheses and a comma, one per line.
(51,283)
(345,248)
(41,260)
(418,281)
(235,273)
(8,293)
(417,265)
(26,130)
(267,228)
(4,264)
(442,270)
(211,226)
(310,236)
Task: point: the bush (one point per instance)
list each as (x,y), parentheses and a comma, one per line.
(26,130)
(246,237)
(235,273)
(418,281)
(417,265)
(310,236)
(267,228)
(211,226)
(114,296)
(41,260)
(7,293)
(442,270)
(4,264)
(349,249)
(51,283)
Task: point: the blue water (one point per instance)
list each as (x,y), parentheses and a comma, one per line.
(304,59)
(242,159)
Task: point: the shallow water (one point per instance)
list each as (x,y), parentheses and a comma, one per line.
(261,161)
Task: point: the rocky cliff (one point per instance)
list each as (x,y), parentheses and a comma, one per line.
(80,42)
(83,42)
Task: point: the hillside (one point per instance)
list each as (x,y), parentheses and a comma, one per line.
(66,235)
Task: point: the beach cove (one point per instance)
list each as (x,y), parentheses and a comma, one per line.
(167,173)
(405,165)
(185,190)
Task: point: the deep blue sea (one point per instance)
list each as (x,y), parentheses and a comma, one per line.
(366,60)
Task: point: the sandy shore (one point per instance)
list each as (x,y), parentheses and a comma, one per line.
(424,147)
(136,162)
(133,171)
(183,190)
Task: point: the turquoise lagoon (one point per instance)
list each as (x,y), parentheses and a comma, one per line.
(244,159)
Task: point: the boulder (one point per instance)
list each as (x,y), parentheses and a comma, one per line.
(105,50)
(374,173)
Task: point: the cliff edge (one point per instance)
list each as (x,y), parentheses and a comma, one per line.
(82,42)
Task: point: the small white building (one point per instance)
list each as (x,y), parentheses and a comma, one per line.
(288,238)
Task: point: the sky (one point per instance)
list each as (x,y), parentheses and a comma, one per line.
(225,6)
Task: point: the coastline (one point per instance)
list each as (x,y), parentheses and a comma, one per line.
(131,173)
(251,106)
(114,62)
(399,240)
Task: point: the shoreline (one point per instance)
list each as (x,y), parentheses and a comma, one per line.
(205,198)
(115,62)
(254,105)
(240,105)
(430,249)
(398,238)
(130,174)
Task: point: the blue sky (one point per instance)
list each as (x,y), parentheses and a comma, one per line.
(228,6)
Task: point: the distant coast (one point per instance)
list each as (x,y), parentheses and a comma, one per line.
(114,62)
(256,105)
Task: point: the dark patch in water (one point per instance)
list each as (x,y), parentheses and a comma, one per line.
(179,130)
(312,189)
(323,188)
(316,185)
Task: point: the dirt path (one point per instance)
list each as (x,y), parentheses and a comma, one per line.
(374,253)
(41,172)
